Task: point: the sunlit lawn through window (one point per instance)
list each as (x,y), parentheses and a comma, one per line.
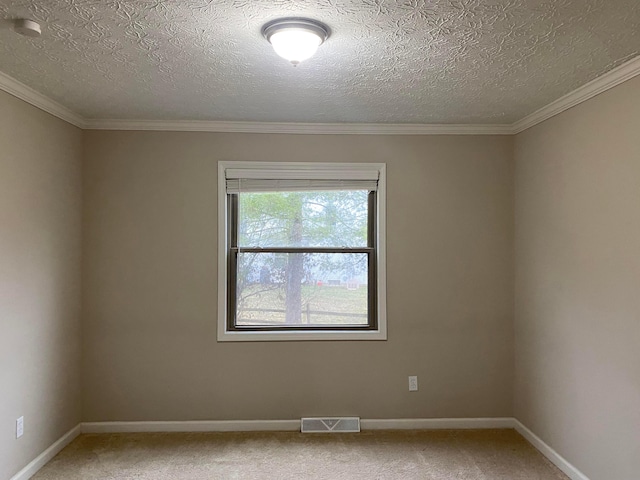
(264,305)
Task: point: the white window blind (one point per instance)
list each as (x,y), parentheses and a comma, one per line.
(310,178)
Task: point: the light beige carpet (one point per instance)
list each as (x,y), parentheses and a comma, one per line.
(432,454)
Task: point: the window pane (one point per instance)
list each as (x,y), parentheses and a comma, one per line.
(303,219)
(301,289)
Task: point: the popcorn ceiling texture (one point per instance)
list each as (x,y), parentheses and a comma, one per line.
(414,61)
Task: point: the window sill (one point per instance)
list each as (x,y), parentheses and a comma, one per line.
(271,336)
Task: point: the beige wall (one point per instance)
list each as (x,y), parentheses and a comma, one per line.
(578,283)
(150,278)
(149,348)
(40,242)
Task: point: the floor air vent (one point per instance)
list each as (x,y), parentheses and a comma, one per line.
(330,424)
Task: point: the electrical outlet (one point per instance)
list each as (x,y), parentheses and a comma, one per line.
(413,383)
(19,427)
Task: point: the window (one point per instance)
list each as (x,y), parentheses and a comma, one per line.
(301,251)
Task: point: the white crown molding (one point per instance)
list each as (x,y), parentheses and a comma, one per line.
(41,460)
(601,84)
(554,457)
(300,128)
(29,95)
(614,77)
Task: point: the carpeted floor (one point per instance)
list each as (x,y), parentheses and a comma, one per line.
(429,454)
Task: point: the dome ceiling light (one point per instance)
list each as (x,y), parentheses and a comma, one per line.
(295,39)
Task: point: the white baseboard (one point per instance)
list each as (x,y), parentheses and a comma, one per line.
(436,423)
(193,426)
(40,461)
(554,457)
(294,425)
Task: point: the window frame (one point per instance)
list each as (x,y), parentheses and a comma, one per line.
(375,330)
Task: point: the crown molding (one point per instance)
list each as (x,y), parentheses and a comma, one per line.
(300,128)
(601,84)
(29,95)
(614,77)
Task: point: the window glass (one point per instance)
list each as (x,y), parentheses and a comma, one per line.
(303,219)
(302,289)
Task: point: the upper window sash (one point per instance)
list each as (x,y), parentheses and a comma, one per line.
(323,218)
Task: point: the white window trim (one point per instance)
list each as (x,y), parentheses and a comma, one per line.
(379,334)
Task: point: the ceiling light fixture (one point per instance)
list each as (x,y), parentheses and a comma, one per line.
(295,39)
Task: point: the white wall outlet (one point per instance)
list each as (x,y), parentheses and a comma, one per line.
(413,383)
(19,427)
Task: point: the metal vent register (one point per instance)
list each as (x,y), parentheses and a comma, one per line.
(330,424)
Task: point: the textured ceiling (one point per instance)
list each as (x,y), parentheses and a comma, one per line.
(412,61)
